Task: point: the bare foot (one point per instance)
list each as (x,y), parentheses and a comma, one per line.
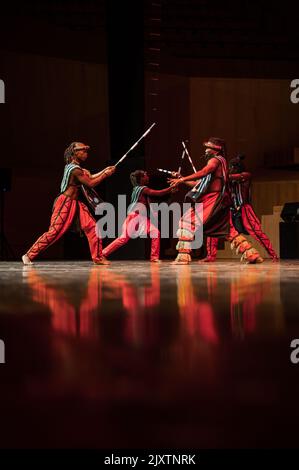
(102,260)
(208,259)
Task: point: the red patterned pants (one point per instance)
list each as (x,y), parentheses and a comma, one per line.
(191,221)
(212,242)
(253,226)
(128,227)
(63,215)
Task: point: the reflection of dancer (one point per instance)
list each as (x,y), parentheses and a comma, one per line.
(141,195)
(67,317)
(75,316)
(245,296)
(67,205)
(198,314)
(247,293)
(213,193)
(243,215)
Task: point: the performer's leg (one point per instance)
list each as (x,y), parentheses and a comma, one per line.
(212,244)
(63,214)
(243,246)
(154,233)
(88,225)
(188,225)
(185,235)
(122,239)
(253,226)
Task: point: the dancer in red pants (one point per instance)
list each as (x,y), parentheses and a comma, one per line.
(210,188)
(142,195)
(67,206)
(243,216)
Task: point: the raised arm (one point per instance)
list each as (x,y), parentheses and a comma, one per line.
(84,177)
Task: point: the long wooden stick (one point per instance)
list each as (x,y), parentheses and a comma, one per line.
(134,145)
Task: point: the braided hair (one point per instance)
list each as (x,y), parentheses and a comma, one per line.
(69,152)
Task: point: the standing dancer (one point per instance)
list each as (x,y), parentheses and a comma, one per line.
(142,195)
(243,216)
(212,191)
(67,205)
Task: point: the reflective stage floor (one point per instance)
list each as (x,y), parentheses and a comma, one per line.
(144,355)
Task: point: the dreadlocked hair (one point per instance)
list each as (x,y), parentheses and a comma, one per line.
(69,152)
(136,176)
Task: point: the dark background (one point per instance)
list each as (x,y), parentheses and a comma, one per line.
(102,71)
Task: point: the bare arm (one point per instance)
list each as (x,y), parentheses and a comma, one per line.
(96,175)
(84,177)
(157,193)
(176,175)
(191,184)
(209,168)
(245,176)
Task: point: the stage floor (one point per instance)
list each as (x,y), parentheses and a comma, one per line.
(142,355)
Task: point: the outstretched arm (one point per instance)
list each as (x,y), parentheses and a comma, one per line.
(84,177)
(191,184)
(96,175)
(209,168)
(244,176)
(157,193)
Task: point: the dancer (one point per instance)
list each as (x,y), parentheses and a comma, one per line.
(212,191)
(243,216)
(142,195)
(68,205)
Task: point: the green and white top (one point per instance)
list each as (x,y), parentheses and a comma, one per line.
(66,175)
(136,193)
